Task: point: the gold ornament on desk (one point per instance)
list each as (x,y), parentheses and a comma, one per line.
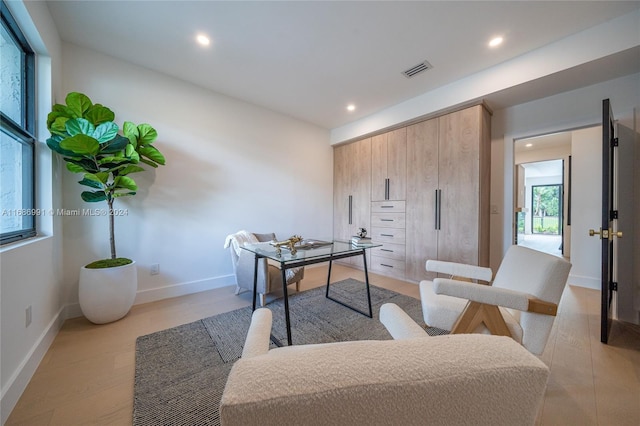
(290,244)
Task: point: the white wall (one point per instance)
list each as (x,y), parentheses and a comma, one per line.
(31,270)
(230,166)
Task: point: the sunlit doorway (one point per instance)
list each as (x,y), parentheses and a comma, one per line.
(542,165)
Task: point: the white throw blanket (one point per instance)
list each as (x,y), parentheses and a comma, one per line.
(239,239)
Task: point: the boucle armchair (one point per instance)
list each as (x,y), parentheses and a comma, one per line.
(269,276)
(521,302)
(414,380)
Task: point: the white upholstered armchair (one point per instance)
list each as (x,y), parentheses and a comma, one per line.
(269,276)
(484,380)
(521,302)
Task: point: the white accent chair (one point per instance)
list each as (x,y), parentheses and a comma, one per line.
(269,276)
(415,380)
(521,302)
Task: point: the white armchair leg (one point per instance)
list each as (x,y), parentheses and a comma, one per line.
(237,290)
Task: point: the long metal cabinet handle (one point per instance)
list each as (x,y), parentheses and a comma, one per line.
(350,209)
(439,209)
(386,189)
(435,225)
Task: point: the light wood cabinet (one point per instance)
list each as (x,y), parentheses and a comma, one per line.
(389,165)
(424,193)
(448,190)
(352,191)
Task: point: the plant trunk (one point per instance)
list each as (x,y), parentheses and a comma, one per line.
(112,239)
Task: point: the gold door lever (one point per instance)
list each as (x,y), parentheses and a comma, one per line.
(604,233)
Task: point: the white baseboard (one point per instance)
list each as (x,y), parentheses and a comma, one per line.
(174,290)
(582,281)
(20,379)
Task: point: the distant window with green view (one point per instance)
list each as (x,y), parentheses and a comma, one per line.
(17,123)
(546,205)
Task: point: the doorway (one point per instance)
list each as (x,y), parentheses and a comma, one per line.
(542,173)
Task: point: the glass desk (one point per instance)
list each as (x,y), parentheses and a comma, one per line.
(309,255)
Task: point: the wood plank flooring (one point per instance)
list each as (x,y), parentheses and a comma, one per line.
(86,377)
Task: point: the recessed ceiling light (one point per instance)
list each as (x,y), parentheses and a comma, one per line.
(529,145)
(496,41)
(351,107)
(203,39)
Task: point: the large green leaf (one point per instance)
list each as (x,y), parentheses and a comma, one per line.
(78,103)
(125,182)
(79,126)
(105,131)
(59,126)
(147,134)
(81,144)
(99,114)
(54,144)
(130,169)
(123,194)
(117,144)
(90,183)
(93,197)
(152,154)
(87,165)
(149,162)
(113,160)
(74,168)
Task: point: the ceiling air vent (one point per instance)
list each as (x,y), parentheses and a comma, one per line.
(417,69)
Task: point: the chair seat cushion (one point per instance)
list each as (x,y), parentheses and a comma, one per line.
(442,311)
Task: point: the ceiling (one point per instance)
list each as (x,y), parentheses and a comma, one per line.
(310,59)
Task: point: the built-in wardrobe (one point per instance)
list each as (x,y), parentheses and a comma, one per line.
(421,190)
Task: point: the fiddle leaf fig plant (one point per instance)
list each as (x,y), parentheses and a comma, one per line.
(88,139)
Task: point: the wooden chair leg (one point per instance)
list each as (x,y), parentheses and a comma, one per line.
(476,313)
(298,285)
(262,300)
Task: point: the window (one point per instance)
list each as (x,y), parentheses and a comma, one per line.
(547,209)
(17,144)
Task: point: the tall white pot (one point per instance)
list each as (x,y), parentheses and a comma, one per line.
(107,294)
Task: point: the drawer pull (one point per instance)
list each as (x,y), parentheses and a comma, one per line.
(388,266)
(390,251)
(386,235)
(386,207)
(386,220)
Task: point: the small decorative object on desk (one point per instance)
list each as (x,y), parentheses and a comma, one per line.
(361,238)
(290,244)
(362,232)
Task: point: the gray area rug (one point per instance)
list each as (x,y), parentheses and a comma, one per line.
(181,372)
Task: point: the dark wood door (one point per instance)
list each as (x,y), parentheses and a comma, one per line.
(608,216)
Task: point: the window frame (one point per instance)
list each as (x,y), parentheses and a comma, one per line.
(24,134)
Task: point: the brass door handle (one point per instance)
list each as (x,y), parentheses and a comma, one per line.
(604,233)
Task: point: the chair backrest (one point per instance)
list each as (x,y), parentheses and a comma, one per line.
(540,274)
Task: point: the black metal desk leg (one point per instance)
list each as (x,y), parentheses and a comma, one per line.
(255,281)
(366,280)
(286,303)
(326,294)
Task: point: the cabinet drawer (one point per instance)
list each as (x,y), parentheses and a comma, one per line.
(387,266)
(388,235)
(387,206)
(389,251)
(388,220)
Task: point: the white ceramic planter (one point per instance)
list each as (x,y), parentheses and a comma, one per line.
(107,294)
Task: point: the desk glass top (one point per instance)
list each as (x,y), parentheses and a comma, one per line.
(308,251)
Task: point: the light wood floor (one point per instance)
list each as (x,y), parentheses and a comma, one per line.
(86,377)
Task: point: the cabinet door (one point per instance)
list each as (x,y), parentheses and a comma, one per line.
(389,165)
(397,164)
(341,192)
(459,180)
(379,167)
(360,166)
(422,183)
